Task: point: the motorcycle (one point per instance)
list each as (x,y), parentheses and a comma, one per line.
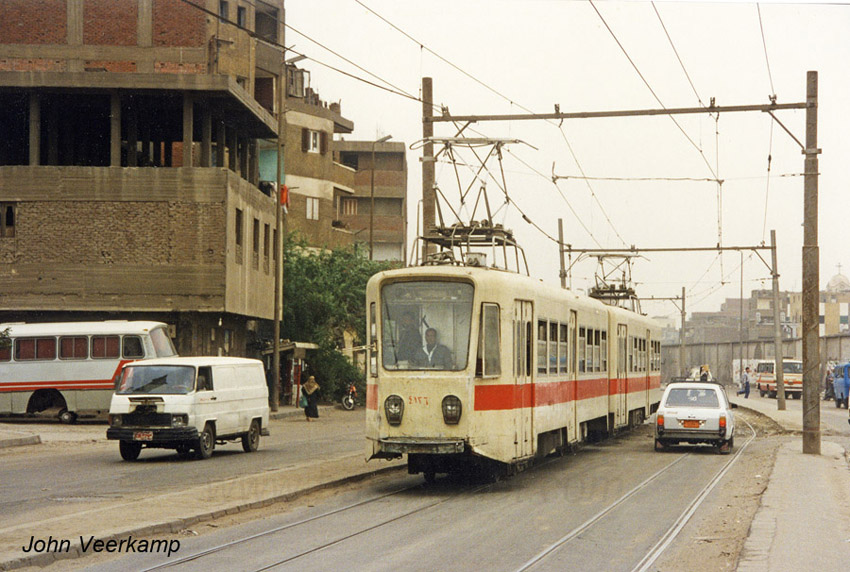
(349,399)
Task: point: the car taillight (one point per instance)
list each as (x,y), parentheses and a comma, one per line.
(723,422)
(659,420)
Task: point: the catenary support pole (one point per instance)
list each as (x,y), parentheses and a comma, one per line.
(682,366)
(777,331)
(811,271)
(429,195)
(563,273)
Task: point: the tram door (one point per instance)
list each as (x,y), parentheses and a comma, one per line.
(523,370)
(622,374)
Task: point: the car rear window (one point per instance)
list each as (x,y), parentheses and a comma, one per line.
(692,398)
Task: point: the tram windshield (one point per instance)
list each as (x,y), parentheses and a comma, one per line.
(426,325)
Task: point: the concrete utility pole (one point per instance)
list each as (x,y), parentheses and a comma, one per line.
(682,337)
(811,272)
(429,195)
(779,372)
(278,217)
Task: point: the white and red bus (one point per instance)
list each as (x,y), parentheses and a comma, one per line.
(71,366)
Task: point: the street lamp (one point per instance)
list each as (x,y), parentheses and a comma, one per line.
(372,197)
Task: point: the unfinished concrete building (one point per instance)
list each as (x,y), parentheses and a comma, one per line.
(129,171)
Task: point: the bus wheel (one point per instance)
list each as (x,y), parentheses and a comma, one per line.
(129,450)
(68,417)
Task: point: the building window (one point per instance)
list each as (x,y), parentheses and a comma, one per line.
(241,17)
(256,245)
(8,212)
(312,208)
(349,206)
(314,141)
(223,9)
(238,227)
(349,159)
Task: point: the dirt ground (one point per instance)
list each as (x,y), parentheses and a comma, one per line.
(715,535)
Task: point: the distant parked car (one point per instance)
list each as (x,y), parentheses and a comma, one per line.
(694,413)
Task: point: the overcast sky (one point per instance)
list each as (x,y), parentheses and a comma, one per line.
(499,57)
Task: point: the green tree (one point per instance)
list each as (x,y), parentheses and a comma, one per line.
(5,340)
(324,295)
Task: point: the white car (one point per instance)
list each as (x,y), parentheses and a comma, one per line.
(695,412)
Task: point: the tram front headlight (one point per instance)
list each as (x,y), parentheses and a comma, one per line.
(394,408)
(452,410)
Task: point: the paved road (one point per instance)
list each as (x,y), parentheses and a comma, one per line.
(76,466)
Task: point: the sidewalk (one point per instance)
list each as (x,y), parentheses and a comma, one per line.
(803,522)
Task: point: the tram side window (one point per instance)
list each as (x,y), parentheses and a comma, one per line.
(489,356)
(581,350)
(632,345)
(603,350)
(104,347)
(35,349)
(133,347)
(73,347)
(541,347)
(553,347)
(563,358)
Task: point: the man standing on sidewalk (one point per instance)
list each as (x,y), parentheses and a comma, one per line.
(745,383)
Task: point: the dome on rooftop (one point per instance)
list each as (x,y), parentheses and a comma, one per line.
(838,283)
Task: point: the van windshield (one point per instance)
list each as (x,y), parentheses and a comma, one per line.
(162,343)
(155,379)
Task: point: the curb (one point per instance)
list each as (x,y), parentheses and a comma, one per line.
(176,525)
(19,441)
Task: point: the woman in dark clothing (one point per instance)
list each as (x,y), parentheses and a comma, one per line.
(311,392)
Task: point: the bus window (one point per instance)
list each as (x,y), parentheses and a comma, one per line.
(133,347)
(105,347)
(162,343)
(73,347)
(6,353)
(35,349)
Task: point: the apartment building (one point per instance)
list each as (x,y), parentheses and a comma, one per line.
(129,164)
(382,183)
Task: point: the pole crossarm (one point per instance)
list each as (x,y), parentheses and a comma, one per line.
(635,250)
(621,113)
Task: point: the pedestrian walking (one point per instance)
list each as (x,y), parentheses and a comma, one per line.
(310,392)
(745,383)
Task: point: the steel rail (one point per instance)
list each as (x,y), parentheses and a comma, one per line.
(683,519)
(598,516)
(238,541)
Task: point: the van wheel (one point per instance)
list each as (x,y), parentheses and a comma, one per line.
(206,443)
(251,439)
(67,417)
(129,450)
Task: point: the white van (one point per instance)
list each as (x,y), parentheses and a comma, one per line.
(188,404)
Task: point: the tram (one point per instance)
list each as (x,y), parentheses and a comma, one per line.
(475,368)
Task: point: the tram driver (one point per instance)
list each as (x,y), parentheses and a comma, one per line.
(434,354)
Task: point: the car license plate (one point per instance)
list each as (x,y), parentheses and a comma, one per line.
(143,436)
(690,424)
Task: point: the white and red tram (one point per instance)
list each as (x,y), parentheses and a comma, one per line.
(531,369)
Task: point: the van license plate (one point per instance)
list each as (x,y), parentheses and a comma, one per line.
(690,424)
(143,436)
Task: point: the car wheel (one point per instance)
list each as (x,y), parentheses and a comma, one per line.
(762,393)
(725,447)
(129,450)
(67,417)
(206,443)
(251,439)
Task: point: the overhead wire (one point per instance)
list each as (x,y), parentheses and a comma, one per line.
(766,59)
(512,102)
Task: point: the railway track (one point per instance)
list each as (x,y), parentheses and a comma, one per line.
(208,557)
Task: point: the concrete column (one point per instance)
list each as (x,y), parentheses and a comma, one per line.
(53,134)
(220,142)
(255,163)
(133,134)
(35,129)
(188,128)
(233,147)
(168,160)
(114,130)
(206,137)
(243,157)
(74,27)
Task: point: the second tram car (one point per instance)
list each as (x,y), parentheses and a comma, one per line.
(475,368)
